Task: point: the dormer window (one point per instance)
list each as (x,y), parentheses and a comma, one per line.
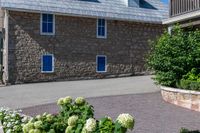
(133,3)
(138,3)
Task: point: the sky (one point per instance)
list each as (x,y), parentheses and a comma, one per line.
(166,1)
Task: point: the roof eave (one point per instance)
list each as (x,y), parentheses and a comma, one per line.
(80,15)
(180,18)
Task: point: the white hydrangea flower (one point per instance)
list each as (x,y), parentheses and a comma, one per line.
(67,100)
(9,131)
(38,124)
(80,100)
(60,101)
(25,119)
(6,117)
(15,127)
(13,115)
(17,122)
(90,125)
(84,130)
(72,120)
(20,111)
(4,123)
(27,127)
(126,121)
(45,114)
(9,125)
(38,117)
(69,129)
(49,117)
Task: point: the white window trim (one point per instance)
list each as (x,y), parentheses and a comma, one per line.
(104,37)
(53,61)
(44,33)
(97,63)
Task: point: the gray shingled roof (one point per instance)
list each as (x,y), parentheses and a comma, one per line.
(111,9)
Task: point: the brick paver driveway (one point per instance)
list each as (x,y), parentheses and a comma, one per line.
(152,114)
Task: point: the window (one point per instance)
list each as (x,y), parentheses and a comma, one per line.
(101,28)
(101,61)
(47,24)
(47,63)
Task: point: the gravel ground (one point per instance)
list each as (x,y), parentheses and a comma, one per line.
(152,114)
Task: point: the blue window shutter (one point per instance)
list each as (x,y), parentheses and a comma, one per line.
(47,63)
(101,63)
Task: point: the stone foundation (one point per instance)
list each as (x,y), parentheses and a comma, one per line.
(184,98)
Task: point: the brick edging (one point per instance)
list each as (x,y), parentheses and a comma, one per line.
(184,98)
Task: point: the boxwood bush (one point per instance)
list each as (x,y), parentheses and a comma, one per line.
(173,56)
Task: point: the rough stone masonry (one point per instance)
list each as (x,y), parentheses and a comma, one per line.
(75,47)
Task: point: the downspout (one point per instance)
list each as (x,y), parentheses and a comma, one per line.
(5,51)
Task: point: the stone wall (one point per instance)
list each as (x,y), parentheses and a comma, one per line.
(184,98)
(75,47)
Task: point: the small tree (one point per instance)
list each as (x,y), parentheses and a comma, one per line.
(172,56)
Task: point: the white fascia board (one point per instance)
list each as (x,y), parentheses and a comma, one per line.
(183,17)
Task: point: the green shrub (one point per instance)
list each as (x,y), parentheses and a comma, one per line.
(173,56)
(190,81)
(183,130)
(74,117)
(106,125)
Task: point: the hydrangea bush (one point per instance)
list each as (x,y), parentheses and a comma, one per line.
(12,121)
(74,117)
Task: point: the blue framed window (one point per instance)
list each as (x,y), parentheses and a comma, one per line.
(101,28)
(47,63)
(47,24)
(101,61)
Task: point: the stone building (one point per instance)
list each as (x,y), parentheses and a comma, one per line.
(50,40)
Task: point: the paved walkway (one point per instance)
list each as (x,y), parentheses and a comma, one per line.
(20,96)
(152,114)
